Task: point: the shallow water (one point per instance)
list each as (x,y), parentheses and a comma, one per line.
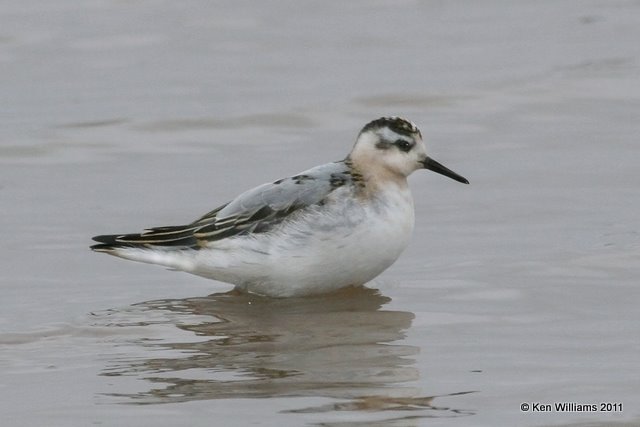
(520,288)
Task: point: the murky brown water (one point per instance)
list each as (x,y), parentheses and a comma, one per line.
(520,288)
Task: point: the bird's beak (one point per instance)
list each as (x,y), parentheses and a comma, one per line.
(432,165)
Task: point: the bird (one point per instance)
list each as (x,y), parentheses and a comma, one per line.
(334,226)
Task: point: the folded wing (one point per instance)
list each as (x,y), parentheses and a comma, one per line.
(255,211)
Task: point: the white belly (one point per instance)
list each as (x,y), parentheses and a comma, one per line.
(321,253)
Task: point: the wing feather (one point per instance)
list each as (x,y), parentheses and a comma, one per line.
(255,211)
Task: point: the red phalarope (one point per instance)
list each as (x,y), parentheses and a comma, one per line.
(336,225)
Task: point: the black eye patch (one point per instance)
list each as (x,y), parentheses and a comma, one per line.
(403,145)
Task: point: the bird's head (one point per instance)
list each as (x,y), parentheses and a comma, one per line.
(394,146)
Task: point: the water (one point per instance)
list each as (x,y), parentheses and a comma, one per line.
(520,288)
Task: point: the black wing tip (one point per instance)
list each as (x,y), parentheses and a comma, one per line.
(109,243)
(158,237)
(106,238)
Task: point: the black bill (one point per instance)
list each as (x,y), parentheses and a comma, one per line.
(432,165)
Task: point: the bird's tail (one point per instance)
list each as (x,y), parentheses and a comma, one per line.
(162,245)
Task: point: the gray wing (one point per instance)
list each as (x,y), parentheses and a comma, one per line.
(254,211)
(262,207)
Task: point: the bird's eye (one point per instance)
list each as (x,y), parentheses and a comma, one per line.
(403,145)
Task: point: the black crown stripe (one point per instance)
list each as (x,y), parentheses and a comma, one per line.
(396,124)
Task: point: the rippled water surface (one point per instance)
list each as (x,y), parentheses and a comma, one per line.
(520,288)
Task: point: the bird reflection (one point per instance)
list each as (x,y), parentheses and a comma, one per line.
(341,346)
